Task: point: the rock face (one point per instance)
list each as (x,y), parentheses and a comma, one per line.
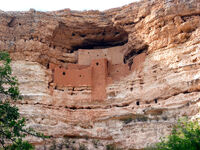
(140,102)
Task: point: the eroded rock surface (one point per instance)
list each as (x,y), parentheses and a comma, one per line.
(140,106)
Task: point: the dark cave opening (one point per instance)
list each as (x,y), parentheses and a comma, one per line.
(128,57)
(88,37)
(90,44)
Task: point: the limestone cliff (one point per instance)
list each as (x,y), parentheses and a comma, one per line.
(150,79)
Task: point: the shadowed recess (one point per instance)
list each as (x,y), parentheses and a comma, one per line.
(88,36)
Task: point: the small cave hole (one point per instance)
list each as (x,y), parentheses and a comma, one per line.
(31,38)
(88,52)
(73,34)
(64,73)
(11,23)
(97,55)
(186,92)
(80,76)
(131,89)
(124,60)
(62,61)
(20,24)
(82,35)
(147,102)
(54,47)
(97,63)
(156,101)
(59,66)
(138,103)
(88,107)
(73,107)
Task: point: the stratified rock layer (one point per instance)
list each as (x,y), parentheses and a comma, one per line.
(140,107)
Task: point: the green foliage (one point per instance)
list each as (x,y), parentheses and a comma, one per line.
(185,136)
(82,147)
(112,147)
(95,142)
(8,83)
(127,120)
(20,145)
(138,118)
(53,146)
(12,126)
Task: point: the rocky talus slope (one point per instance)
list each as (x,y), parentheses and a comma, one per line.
(140,107)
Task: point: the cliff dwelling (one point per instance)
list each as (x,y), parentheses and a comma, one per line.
(96,69)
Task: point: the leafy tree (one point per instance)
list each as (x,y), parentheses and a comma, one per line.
(12,126)
(184,136)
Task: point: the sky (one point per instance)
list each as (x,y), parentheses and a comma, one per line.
(50,5)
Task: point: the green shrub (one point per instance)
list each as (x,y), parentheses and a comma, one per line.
(112,147)
(95,143)
(82,147)
(12,125)
(184,136)
(127,120)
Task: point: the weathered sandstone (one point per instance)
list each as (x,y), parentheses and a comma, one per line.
(153,44)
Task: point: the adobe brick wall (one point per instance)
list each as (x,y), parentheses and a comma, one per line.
(118,71)
(72,77)
(114,55)
(94,76)
(138,62)
(97,75)
(99,78)
(75,66)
